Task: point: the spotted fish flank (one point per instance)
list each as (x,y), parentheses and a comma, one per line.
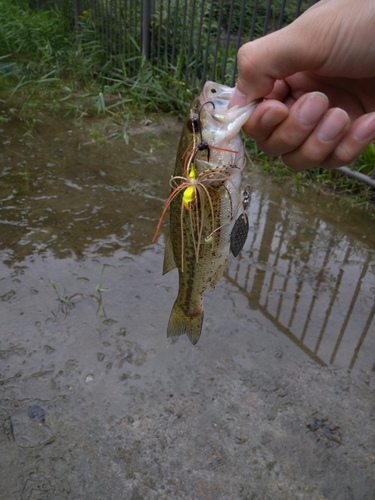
(205,203)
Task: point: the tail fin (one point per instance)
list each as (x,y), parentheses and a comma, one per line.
(180,323)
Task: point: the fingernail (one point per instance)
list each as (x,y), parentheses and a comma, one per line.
(365,130)
(273,116)
(312,109)
(333,124)
(238,99)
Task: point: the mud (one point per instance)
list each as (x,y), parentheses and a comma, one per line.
(276,401)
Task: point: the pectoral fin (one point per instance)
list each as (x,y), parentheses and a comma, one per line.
(169,263)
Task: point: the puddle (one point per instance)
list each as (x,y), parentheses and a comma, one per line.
(309,269)
(275,401)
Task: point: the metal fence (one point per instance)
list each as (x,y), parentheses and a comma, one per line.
(200,36)
(195,40)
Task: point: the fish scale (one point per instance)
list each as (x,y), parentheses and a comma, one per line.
(199,240)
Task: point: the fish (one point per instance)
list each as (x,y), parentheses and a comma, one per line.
(207,206)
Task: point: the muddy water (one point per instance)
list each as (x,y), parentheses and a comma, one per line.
(276,401)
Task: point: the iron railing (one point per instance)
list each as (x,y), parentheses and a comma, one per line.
(203,36)
(197,40)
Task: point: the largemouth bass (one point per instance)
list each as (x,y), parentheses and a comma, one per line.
(207,212)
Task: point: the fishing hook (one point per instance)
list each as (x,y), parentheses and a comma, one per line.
(203,145)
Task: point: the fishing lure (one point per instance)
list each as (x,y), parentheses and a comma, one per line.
(207,207)
(196,186)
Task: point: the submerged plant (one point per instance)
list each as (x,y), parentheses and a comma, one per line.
(64,301)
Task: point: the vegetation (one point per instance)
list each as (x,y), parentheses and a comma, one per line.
(327,182)
(94,64)
(268,16)
(188,45)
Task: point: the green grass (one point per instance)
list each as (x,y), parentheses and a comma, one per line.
(325,181)
(34,43)
(48,64)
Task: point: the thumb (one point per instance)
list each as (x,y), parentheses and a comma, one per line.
(273,57)
(333,38)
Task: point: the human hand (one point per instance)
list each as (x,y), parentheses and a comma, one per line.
(317,76)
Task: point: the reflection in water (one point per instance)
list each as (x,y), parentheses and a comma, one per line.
(96,403)
(62,197)
(62,193)
(314,283)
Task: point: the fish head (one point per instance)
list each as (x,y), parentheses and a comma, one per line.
(219,124)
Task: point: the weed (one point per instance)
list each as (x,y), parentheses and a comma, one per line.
(86,71)
(26,174)
(64,301)
(67,302)
(326,181)
(100,311)
(366,162)
(30,126)
(123,123)
(99,288)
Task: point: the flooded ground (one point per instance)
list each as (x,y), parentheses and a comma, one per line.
(276,401)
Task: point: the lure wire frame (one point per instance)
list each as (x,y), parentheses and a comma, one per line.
(201,184)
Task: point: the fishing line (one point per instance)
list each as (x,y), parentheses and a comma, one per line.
(208,238)
(203,145)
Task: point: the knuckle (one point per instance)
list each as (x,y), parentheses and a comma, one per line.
(342,155)
(313,157)
(244,59)
(303,158)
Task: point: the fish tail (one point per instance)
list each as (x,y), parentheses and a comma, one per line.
(180,323)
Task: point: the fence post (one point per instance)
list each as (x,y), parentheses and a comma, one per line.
(77,12)
(146,32)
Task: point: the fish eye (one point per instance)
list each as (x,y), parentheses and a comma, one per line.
(213,91)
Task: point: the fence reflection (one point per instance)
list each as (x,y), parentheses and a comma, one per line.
(311,282)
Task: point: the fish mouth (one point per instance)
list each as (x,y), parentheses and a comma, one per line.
(217,93)
(215,99)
